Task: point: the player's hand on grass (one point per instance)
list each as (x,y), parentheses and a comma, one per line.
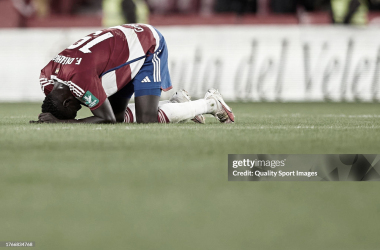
(47,118)
(35,122)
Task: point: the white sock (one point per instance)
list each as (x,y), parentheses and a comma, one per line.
(177,112)
(162,103)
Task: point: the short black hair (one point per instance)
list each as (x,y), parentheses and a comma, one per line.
(49,106)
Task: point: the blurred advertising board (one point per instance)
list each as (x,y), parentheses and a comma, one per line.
(245,62)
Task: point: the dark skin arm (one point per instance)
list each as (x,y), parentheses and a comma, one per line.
(103,114)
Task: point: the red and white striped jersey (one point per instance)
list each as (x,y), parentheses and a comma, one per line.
(84,65)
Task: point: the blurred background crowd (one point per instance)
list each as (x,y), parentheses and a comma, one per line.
(67,13)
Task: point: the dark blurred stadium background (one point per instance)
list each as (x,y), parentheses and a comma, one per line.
(90,13)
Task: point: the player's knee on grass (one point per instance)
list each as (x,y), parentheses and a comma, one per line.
(147,117)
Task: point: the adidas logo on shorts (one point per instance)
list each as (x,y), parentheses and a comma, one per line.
(146,79)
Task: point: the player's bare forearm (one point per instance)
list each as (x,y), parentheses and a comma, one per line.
(49,118)
(103,114)
(92,119)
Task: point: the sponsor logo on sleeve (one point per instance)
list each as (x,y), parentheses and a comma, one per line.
(90,100)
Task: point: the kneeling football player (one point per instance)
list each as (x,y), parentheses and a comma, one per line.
(104,69)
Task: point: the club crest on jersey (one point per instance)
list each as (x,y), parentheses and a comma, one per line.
(90,100)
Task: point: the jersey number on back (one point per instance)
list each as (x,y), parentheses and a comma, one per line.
(95,40)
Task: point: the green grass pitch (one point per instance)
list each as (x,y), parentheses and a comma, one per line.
(164,186)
